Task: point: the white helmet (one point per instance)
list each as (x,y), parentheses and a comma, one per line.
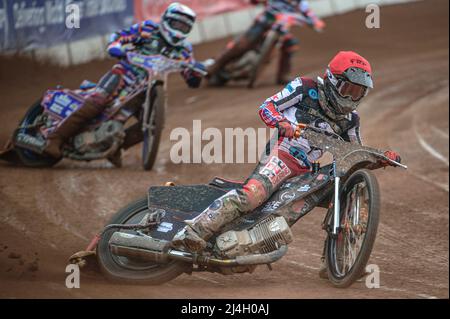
(176,23)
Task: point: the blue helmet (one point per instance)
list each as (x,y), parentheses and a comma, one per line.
(176,23)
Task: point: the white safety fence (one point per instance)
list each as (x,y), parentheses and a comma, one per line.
(208,29)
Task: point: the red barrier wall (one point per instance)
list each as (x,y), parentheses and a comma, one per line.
(152,9)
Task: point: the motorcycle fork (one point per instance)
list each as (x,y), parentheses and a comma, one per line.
(147,106)
(148,102)
(335,208)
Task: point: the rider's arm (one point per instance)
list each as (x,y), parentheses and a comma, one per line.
(271,112)
(131,35)
(306,11)
(192,78)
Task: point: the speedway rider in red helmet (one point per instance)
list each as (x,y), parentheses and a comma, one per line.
(329,104)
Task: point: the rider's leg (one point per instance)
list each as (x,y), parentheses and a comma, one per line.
(289,47)
(265,180)
(238,48)
(93,106)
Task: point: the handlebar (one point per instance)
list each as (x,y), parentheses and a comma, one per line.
(158,61)
(196,70)
(301,127)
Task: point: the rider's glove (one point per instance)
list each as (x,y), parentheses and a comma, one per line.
(194,79)
(145,34)
(199,66)
(319,25)
(392,156)
(286,129)
(116,50)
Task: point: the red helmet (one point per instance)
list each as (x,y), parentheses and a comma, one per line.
(348,79)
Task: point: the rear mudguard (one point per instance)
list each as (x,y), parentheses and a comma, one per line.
(179,204)
(293,200)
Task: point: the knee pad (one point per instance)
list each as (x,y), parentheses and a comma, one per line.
(109,83)
(255,192)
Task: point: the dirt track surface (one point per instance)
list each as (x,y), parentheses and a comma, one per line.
(46,215)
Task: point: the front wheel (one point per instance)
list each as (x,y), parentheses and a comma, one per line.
(126,270)
(155,125)
(348,253)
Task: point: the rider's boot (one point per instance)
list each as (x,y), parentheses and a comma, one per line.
(238,48)
(92,107)
(224,210)
(71,126)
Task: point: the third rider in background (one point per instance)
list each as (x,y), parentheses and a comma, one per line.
(261,25)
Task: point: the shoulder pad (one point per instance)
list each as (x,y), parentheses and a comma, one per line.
(150,24)
(308,82)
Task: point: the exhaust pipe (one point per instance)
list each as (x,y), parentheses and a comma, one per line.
(159,251)
(249,260)
(142,247)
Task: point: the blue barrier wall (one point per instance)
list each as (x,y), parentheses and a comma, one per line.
(30,24)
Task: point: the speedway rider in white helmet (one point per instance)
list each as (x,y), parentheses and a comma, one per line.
(167,38)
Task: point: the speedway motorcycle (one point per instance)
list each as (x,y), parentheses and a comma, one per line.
(250,65)
(135,245)
(135,115)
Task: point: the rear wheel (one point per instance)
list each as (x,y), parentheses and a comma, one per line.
(348,253)
(127,270)
(28,157)
(155,125)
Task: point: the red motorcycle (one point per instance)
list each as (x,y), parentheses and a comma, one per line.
(134,247)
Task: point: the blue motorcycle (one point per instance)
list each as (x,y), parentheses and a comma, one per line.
(143,103)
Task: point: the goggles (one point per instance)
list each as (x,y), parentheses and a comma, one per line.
(179,26)
(348,89)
